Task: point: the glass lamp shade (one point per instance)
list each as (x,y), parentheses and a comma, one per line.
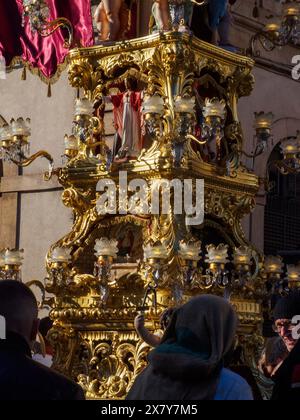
(272,27)
(20,127)
(242,255)
(61,255)
(293,273)
(291,10)
(13,257)
(157,251)
(153,105)
(189,251)
(105,247)
(273,265)
(217,255)
(185,105)
(214,108)
(263,120)
(71,142)
(5,133)
(290,147)
(84,107)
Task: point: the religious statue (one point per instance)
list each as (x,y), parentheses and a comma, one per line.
(128,119)
(173,14)
(161,14)
(219,21)
(112,19)
(217,10)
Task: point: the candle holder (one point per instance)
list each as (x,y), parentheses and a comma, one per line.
(273,270)
(15,145)
(82,124)
(214,113)
(10,264)
(293,276)
(242,260)
(59,269)
(278,34)
(217,258)
(153,110)
(155,256)
(106,252)
(72,146)
(189,255)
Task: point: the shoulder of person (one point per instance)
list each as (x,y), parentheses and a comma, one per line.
(66,389)
(232,377)
(233,387)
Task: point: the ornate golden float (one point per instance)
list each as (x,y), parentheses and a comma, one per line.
(96,298)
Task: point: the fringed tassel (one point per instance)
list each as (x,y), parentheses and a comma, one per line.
(24,76)
(49,94)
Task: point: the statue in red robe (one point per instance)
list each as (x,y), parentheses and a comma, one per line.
(128,119)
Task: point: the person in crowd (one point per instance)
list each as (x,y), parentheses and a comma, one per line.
(273,356)
(287,378)
(44,353)
(21,378)
(151,339)
(188,363)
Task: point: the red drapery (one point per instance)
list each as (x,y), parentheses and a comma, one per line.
(43,54)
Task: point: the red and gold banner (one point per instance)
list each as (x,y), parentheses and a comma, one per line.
(43,54)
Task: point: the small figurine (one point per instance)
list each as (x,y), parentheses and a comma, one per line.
(220,19)
(161,14)
(112,19)
(128,119)
(173,14)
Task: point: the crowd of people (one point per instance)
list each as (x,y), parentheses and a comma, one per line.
(191,360)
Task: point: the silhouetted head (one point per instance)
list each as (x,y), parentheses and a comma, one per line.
(45,326)
(18,306)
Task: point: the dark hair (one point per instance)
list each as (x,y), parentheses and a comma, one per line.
(45,326)
(131,83)
(12,290)
(287,306)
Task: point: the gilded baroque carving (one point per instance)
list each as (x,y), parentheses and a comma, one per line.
(94,338)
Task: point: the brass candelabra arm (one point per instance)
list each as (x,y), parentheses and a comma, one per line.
(24,162)
(268,41)
(259,150)
(285,168)
(193,138)
(45,302)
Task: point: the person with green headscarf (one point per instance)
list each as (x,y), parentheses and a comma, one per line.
(188,363)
